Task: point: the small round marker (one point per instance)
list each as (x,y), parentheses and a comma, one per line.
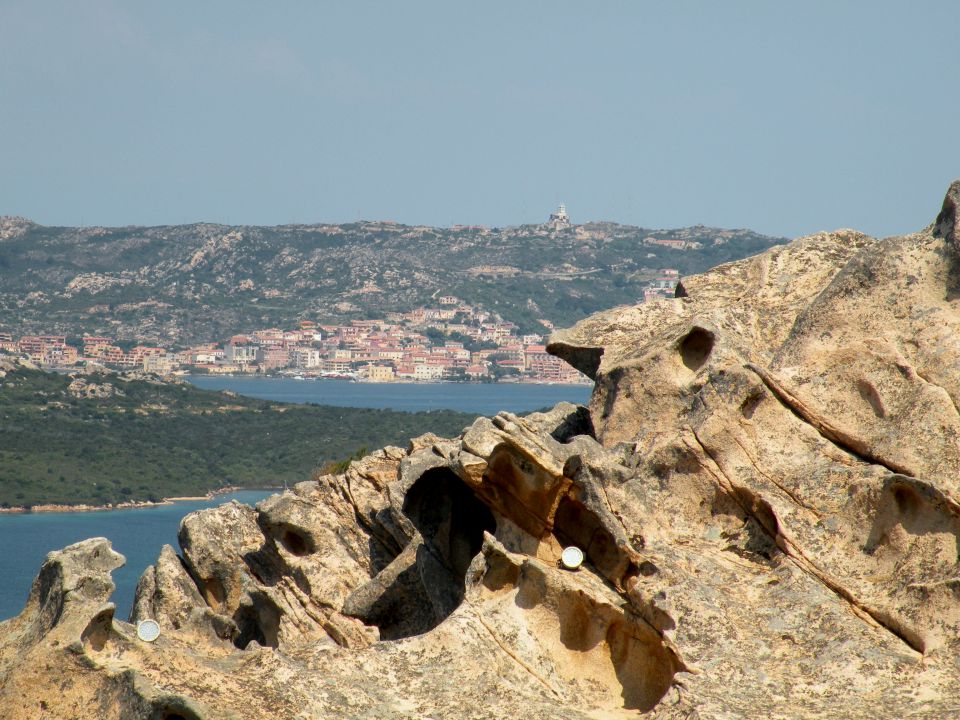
(572,557)
(148,630)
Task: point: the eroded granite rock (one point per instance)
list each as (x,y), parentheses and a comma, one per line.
(765,486)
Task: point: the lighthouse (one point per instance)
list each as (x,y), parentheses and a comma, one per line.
(560,217)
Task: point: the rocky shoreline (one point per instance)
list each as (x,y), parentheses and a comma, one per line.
(128,505)
(765,489)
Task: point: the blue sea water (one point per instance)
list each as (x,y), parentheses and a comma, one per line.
(136,533)
(480,398)
(139,533)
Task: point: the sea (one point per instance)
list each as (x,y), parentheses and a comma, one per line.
(140,533)
(481,398)
(136,533)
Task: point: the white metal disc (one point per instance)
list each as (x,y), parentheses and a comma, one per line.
(148,630)
(572,557)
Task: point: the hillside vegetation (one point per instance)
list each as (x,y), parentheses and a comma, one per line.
(203,282)
(145,440)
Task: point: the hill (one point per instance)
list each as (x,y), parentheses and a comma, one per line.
(197,283)
(109,438)
(757,516)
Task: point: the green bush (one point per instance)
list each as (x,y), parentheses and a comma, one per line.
(195,444)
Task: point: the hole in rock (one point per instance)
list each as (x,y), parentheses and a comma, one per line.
(648,569)
(97,631)
(576,524)
(913,532)
(176,711)
(576,423)
(449,517)
(757,539)
(696,347)
(259,623)
(907,500)
(645,670)
(759,509)
(750,404)
(870,393)
(295,543)
(213,593)
(421,594)
(614,662)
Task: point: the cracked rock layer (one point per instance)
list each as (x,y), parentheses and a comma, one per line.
(765,486)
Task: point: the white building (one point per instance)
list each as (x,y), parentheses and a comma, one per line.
(560,217)
(241,354)
(427,372)
(306,358)
(159,364)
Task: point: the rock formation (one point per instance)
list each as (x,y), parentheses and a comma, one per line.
(765,486)
(81,388)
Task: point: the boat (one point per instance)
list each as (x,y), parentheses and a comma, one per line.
(331,375)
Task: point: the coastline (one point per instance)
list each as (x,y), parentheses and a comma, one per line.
(126,505)
(400,381)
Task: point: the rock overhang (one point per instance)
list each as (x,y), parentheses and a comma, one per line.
(765,481)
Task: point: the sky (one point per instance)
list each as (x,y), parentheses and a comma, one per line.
(786,118)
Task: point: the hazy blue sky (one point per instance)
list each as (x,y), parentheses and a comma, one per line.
(784,117)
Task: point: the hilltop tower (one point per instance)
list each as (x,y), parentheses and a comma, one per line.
(560,217)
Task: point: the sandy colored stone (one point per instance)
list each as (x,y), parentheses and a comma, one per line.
(765,486)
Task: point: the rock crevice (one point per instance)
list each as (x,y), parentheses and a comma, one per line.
(765,486)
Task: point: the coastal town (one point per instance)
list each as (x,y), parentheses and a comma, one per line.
(451,340)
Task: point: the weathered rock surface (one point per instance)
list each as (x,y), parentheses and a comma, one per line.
(80,389)
(765,486)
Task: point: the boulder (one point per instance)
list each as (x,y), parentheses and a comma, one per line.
(764,487)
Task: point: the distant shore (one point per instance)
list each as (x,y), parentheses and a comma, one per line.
(365,381)
(125,505)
